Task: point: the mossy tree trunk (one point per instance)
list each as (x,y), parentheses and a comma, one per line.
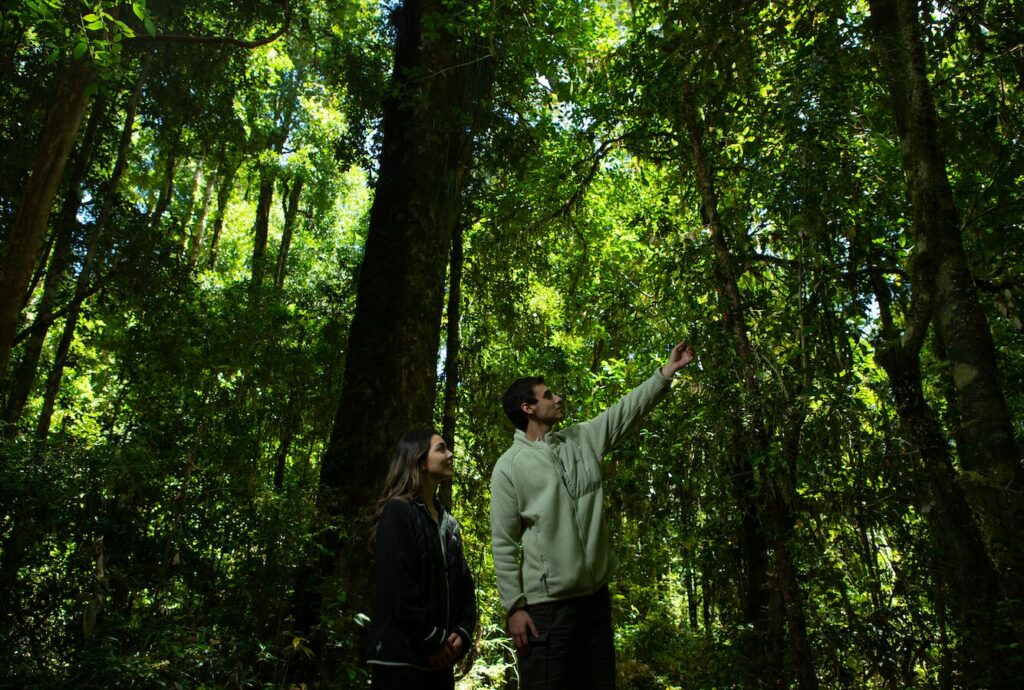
(992,477)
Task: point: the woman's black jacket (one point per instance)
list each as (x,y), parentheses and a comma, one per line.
(424,590)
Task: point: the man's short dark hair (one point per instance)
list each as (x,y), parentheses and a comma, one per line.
(521,391)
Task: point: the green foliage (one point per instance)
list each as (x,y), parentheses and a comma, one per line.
(157,535)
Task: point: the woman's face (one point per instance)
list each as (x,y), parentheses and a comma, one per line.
(438,463)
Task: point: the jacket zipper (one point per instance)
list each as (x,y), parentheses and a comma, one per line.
(444,567)
(444,563)
(575,517)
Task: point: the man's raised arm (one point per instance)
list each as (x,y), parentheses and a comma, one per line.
(602,432)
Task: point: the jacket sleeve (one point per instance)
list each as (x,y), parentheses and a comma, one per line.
(506,533)
(465,618)
(398,566)
(602,432)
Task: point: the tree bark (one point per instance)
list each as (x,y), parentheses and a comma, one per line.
(23,376)
(268,178)
(401,280)
(753,589)
(964,563)
(293,416)
(198,234)
(190,207)
(261,229)
(29,227)
(993,477)
(691,601)
(163,200)
(451,352)
(291,215)
(227,184)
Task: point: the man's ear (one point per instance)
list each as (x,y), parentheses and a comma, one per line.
(527,408)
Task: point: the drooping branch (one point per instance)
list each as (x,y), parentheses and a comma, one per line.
(220,40)
(594,160)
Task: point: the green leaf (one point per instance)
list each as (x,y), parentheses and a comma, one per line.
(80,49)
(150,27)
(125,29)
(139,11)
(89,18)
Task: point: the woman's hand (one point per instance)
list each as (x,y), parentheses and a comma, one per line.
(448,653)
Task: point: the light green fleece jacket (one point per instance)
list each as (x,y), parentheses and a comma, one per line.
(548,533)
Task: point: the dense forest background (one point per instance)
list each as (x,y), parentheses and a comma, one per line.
(246,244)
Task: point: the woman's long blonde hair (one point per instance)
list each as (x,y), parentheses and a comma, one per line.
(405,474)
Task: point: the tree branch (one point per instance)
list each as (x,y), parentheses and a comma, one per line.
(975,217)
(220,40)
(986,285)
(566,209)
(58,314)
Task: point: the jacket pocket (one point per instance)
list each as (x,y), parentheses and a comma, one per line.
(534,568)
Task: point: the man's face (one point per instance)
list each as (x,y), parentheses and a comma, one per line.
(548,408)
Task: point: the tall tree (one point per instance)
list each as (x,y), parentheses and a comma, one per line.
(994,475)
(766,493)
(440,82)
(452,343)
(29,227)
(291,217)
(24,374)
(95,237)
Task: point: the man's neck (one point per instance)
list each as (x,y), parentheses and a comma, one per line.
(536,431)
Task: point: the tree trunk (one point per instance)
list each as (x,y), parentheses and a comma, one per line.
(764,503)
(291,214)
(705,600)
(23,376)
(268,178)
(261,229)
(29,226)
(451,352)
(401,280)
(186,217)
(390,374)
(965,565)
(691,600)
(163,201)
(93,245)
(993,476)
(293,416)
(21,252)
(198,234)
(227,184)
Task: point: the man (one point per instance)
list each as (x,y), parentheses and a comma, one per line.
(549,538)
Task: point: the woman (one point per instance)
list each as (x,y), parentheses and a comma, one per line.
(424,610)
